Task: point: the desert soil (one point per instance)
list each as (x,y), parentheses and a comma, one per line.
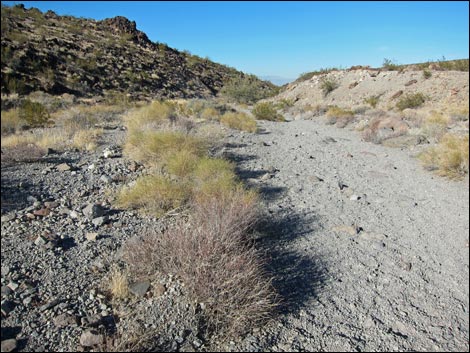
(369,251)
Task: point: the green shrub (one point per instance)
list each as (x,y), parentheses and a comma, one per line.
(372,101)
(427,74)
(266,111)
(328,85)
(389,65)
(411,101)
(35,114)
(248,89)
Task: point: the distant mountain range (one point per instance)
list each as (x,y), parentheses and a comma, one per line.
(277,80)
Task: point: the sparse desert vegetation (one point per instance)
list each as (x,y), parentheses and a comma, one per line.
(154,200)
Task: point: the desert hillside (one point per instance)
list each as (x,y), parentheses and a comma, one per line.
(84,57)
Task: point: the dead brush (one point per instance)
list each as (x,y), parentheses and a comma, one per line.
(214,257)
(382,128)
(339,116)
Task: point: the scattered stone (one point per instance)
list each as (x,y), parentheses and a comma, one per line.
(266,176)
(91,338)
(342,185)
(40,241)
(63,167)
(64,320)
(9,345)
(73,214)
(50,305)
(397,94)
(43,212)
(51,204)
(411,82)
(99,221)
(92,211)
(159,289)
(5,291)
(106,179)
(355,197)
(139,288)
(197,343)
(91,236)
(8,217)
(13,285)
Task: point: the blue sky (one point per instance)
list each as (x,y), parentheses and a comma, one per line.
(288,38)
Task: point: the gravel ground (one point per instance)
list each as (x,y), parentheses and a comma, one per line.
(369,251)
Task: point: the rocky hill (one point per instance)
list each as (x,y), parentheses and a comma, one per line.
(85,57)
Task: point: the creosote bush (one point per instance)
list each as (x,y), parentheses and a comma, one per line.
(239,121)
(372,101)
(328,85)
(34,113)
(449,158)
(414,100)
(266,111)
(247,89)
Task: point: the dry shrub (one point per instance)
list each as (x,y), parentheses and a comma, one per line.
(339,116)
(214,257)
(86,139)
(119,283)
(435,125)
(153,147)
(41,138)
(151,116)
(209,113)
(154,194)
(11,122)
(160,115)
(382,128)
(449,158)
(239,121)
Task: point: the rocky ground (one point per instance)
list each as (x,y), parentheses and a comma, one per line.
(369,251)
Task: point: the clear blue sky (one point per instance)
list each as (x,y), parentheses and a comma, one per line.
(289,38)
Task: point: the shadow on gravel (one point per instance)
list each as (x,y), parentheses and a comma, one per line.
(13,332)
(297,277)
(13,197)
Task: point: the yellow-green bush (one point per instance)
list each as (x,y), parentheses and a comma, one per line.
(182,163)
(239,121)
(155,146)
(154,194)
(449,158)
(267,111)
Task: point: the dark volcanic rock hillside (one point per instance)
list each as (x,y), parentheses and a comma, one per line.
(85,57)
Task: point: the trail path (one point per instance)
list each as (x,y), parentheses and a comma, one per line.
(370,251)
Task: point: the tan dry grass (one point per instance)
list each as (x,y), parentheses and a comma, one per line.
(239,121)
(450,158)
